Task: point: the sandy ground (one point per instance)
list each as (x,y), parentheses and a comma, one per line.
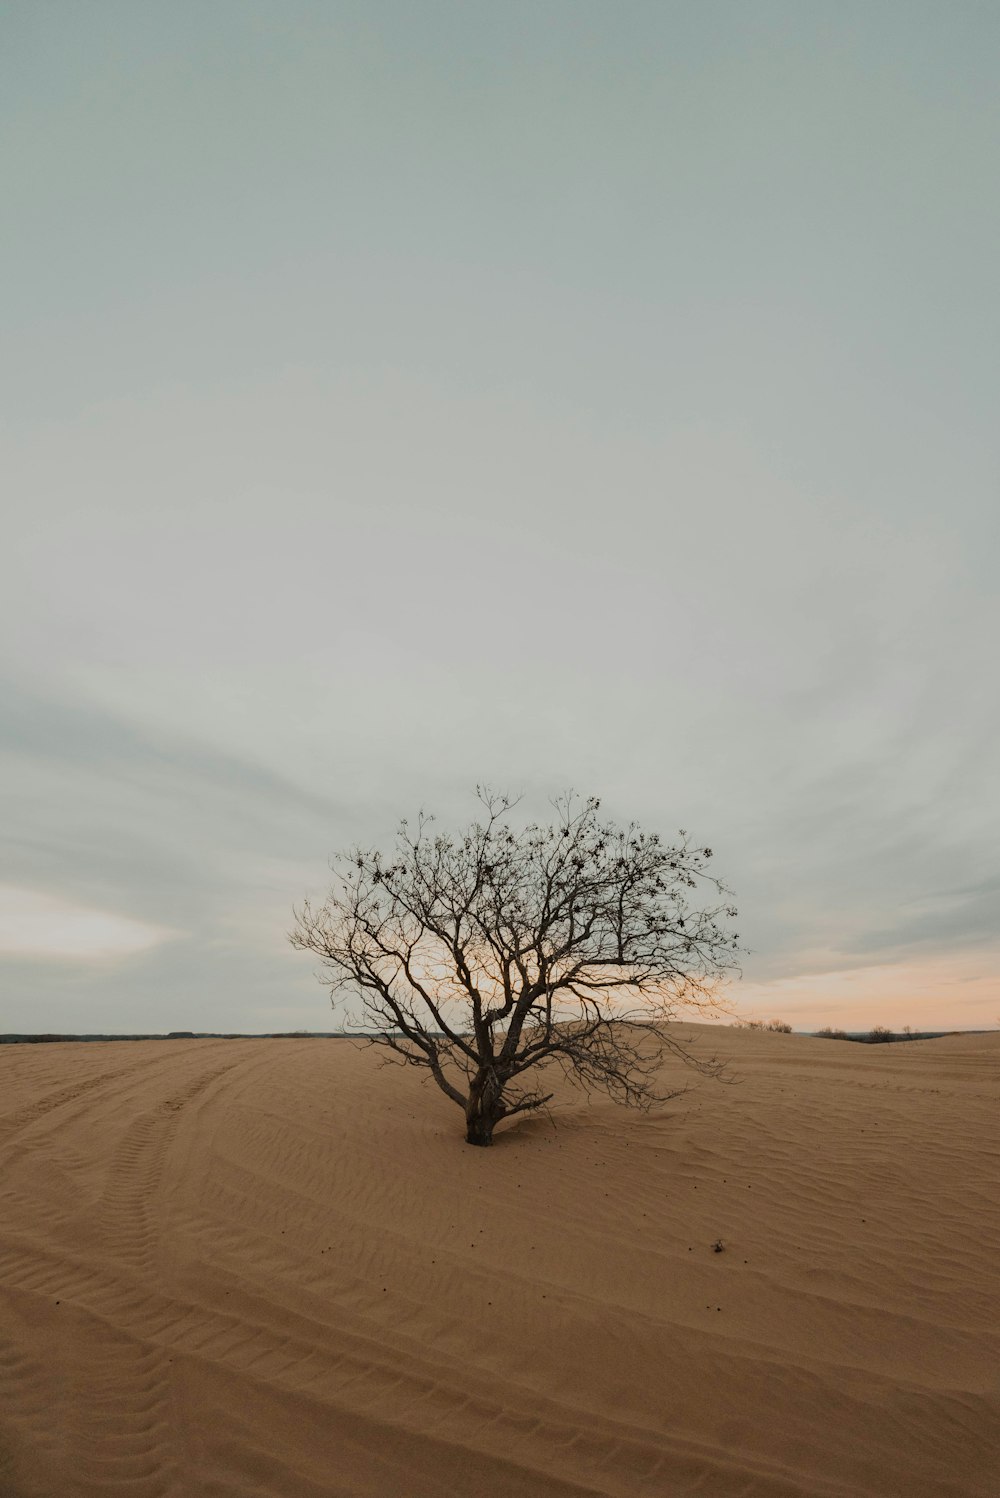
(273,1267)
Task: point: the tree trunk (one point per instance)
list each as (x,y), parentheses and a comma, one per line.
(479,1129)
(484,1110)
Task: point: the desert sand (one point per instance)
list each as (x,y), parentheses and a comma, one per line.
(272,1267)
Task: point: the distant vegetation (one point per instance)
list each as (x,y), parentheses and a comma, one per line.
(879,1035)
(179,1035)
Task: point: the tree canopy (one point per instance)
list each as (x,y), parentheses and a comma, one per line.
(488,956)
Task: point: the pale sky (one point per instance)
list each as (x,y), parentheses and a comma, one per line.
(404,395)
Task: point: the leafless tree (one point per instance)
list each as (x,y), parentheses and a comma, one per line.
(483,955)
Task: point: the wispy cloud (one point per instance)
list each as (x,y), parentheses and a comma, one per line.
(115,840)
(39,925)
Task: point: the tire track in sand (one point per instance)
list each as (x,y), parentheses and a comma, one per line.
(28,1469)
(121,1412)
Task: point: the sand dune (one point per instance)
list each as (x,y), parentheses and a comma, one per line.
(273,1268)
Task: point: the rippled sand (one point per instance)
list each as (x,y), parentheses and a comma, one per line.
(273,1268)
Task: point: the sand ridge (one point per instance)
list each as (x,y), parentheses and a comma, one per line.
(271,1267)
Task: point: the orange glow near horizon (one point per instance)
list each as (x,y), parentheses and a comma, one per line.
(941,993)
